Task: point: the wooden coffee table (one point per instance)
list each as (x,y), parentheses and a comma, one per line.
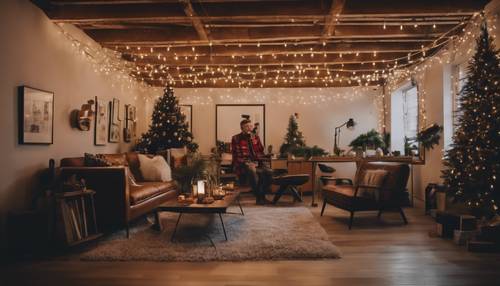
(217,207)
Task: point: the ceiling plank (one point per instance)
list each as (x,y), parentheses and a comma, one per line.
(332,19)
(197,24)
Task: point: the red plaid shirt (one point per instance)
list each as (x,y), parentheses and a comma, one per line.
(242,153)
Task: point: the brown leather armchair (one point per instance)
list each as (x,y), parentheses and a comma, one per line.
(379,186)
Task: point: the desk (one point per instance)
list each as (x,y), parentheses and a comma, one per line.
(399,159)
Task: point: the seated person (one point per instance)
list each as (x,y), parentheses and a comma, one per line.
(248,155)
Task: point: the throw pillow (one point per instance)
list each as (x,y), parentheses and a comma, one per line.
(154,169)
(372,178)
(91,160)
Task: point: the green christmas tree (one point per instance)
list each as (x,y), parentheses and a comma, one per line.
(473,162)
(293,137)
(168,128)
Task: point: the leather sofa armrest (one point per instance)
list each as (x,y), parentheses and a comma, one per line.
(112,198)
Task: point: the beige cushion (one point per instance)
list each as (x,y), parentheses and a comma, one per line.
(154,169)
(374,179)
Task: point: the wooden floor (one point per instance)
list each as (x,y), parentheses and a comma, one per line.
(375,252)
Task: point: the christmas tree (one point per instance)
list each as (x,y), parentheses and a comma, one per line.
(473,162)
(168,128)
(293,137)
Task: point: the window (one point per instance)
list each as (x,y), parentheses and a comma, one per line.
(460,79)
(404,116)
(410,112)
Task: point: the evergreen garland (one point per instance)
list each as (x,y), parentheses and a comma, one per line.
(168,128)
(473,162)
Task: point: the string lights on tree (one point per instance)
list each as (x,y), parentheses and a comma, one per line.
(472,164)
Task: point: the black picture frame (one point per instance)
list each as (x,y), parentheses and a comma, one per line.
(235,120)
(35,116)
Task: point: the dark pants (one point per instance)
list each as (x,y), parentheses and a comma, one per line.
(260,179)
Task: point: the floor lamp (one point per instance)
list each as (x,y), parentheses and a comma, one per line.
(349,124)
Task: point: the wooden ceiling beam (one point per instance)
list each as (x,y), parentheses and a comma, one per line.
(197,24)
(183,35)
(116,2)
(337,66)
(307,58)
(332,19)
(409,6)
(287,11)
(228,51)
(259,84)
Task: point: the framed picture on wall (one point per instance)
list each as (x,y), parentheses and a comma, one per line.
(101,122)
(36,116)
(115,111)
(114,128)
(229,116)
(187,110)
(130,118)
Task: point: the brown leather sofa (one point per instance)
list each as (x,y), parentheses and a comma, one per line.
(117,200)
(390,194)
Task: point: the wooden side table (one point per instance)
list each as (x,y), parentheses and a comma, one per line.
(76,220)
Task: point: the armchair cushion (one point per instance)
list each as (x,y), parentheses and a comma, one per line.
(147,190)
(370,183)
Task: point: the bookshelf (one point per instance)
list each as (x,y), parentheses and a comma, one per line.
(76,217)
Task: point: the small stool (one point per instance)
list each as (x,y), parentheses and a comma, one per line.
(289,183)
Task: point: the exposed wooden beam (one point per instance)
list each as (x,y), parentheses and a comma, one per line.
(287,11)
(197,24)
(302,58)
(183,35)
(278,49)
(103,2)
(268,84)
(332,18)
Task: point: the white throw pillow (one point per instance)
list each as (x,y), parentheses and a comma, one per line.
(154,169)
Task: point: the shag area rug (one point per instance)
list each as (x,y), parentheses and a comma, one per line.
(263,233)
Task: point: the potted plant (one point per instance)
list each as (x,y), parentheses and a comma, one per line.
(367,141)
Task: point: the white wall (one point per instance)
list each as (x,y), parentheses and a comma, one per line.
(319,109)
(35,53)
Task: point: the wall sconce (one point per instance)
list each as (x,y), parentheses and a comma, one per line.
(82,118)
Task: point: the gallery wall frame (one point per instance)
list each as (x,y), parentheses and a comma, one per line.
(187,110)
(229,116)
(101,122)
(130,129)
(35,116)
(114,123)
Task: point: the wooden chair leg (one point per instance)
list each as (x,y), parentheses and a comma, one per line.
(403,215)
(351,219)
(323,208)
(127,229)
